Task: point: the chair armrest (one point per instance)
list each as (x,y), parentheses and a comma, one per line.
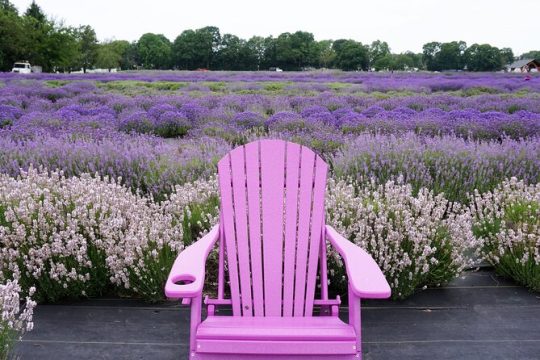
(189,266)
(365,277)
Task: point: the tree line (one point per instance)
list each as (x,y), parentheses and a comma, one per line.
(42,41)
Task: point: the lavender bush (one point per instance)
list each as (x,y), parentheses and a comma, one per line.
(79,236)
(507,221)
(149,164)
(447,164)
(418,241)
(15,320)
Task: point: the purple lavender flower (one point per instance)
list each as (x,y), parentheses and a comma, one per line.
(194,112)
(8,114)
(172,124)
(283,119)
(248,120)
(314,109)
(156,110)
(138,122)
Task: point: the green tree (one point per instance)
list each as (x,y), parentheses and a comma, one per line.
(118,54)
(256,50)
(247,57)
(483,58)
(384,63)
(403,62)
(63,43)
(285,55)
(236,54)
(304,43)
(11,36)
(507,56)
(38,31)
(154,51)
(429,56)
(270,52)
(88,46)
(122,47)
(194,49)
(351,55)
(208,40)
(327,55)
(416,59)
(35,12)
(130,59)
(395,62)
(183,50)
(108,57)
(7,7)
(533,54)
(377,50)
(230,54)
(450,55)
(296,51)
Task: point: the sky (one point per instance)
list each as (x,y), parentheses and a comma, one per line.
(405,24)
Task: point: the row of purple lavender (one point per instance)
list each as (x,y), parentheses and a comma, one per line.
(454,143)
(418,82)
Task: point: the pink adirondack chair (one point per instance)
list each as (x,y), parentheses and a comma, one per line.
(271,234)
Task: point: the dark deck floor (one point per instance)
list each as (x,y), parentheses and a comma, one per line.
(479,316)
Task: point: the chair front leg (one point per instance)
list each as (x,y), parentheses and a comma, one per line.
(355,320)
(196,307)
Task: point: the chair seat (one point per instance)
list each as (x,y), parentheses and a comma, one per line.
(277,335)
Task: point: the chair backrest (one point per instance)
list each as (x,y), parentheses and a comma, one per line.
(272,218)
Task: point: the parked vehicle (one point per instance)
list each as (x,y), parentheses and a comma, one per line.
(24,67)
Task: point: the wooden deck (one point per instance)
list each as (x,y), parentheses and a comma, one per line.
(479,316)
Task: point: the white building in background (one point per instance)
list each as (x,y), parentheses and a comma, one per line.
(525,65)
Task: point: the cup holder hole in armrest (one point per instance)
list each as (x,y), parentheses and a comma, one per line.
(183,279)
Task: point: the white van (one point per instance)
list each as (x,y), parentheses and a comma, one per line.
(22,67)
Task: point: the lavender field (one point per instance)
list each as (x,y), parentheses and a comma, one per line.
(106,177)
(451,133)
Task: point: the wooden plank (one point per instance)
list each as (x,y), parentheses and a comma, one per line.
(227,212)
(254,212)
(319,189)
(291,209)
(242,239)
(272,191)
(304,216)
